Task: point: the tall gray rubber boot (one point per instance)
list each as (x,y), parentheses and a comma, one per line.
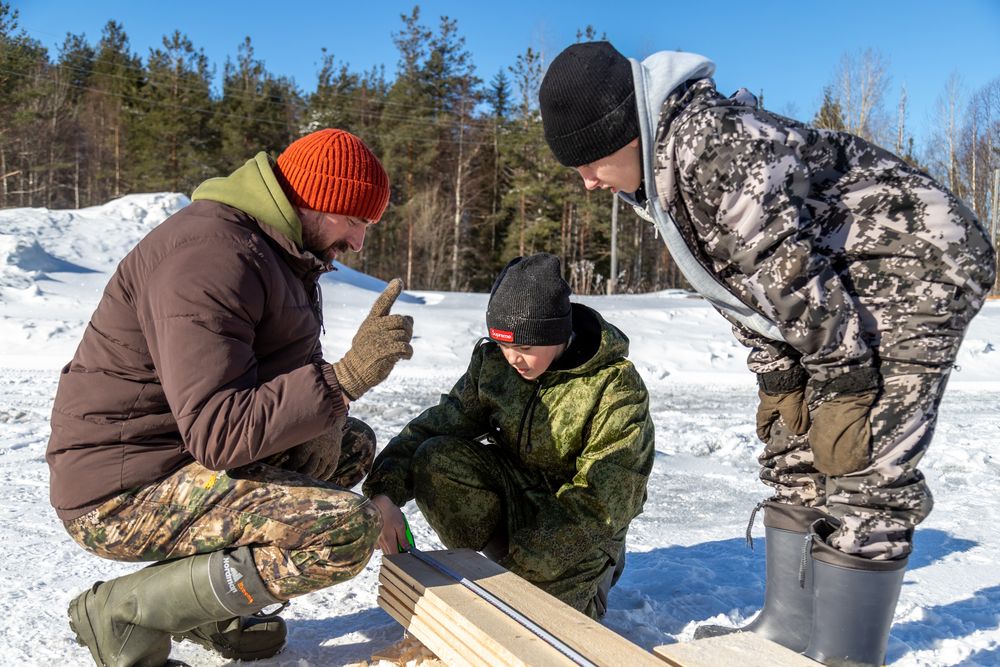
(788,602)
(127,621)
(853,603)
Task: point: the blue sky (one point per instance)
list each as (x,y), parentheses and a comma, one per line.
(790,50)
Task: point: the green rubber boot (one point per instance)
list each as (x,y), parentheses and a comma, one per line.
(127,622)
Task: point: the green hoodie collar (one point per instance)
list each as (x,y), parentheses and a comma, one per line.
(254,189)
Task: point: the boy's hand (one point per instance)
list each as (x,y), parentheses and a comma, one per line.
(393,526)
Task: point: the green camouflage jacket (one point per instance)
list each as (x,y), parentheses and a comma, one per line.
(585,430)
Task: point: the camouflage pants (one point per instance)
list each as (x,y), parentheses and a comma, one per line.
(305,534)
(475,497)
(879,505)
(916,324)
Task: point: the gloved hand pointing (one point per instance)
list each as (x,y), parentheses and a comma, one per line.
(381,341)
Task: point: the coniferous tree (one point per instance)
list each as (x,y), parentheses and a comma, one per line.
(454,93)
(498,99)
(108,109)
(74,69)
(830,116)
(333,102)
(473,182)
(537,219)
(258,111)
(409,145)
(173,144)
(347,100)
(23,77)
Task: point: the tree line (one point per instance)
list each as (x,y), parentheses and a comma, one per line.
(473,182)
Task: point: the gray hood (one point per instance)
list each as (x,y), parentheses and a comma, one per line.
(655,78)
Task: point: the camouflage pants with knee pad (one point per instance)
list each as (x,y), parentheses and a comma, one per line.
(305,534)
(879,505)
(475,496)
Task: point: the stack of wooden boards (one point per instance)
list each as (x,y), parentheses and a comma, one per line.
(462,628)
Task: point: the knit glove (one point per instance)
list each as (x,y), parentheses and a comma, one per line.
(782,394)
(381,341)
(841,431)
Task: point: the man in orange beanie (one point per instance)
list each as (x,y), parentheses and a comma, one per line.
(199,426)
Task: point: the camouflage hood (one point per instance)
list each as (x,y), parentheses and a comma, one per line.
(656,78)
(596,343)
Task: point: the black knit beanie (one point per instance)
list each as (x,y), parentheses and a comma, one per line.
(587,100)
(529,303)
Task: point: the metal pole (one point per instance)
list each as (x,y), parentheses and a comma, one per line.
(613,278)
(995,205)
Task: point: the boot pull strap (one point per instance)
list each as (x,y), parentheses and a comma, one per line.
(804,563)
(753,516)
(270,610)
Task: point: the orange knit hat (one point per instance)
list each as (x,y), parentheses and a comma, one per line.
(334,172)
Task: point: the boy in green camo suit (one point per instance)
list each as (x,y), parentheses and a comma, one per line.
(540,454)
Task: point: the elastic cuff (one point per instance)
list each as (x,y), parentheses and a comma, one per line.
(793,518)
(775,383)
(335,392)
(854,382)
(821,530)
(386,486)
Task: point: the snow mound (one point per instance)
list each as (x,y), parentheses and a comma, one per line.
(37,242)
(345,275)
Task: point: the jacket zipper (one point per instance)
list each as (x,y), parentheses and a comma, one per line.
(527,416)
(316,299)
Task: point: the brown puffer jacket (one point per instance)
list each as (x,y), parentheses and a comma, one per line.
(205,346)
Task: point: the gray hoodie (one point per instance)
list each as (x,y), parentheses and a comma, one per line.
(655,78)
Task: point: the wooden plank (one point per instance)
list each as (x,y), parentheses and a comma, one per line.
(471,643)
(584,635)
(460,638)
(424,632)
(458,607)
(441,643)
(740,649)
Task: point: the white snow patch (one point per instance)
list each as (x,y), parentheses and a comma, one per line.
(688,562)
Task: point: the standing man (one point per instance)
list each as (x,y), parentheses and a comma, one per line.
(850,275)
(198,424)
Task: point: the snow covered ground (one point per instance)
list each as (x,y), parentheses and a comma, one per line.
(687,559)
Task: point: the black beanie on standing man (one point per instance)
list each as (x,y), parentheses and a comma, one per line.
(529,303)
(588,106)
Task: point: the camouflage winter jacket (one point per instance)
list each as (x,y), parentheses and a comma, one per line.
(586,431)
(840,245)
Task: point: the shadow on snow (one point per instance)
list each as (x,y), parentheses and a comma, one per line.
(665,590)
